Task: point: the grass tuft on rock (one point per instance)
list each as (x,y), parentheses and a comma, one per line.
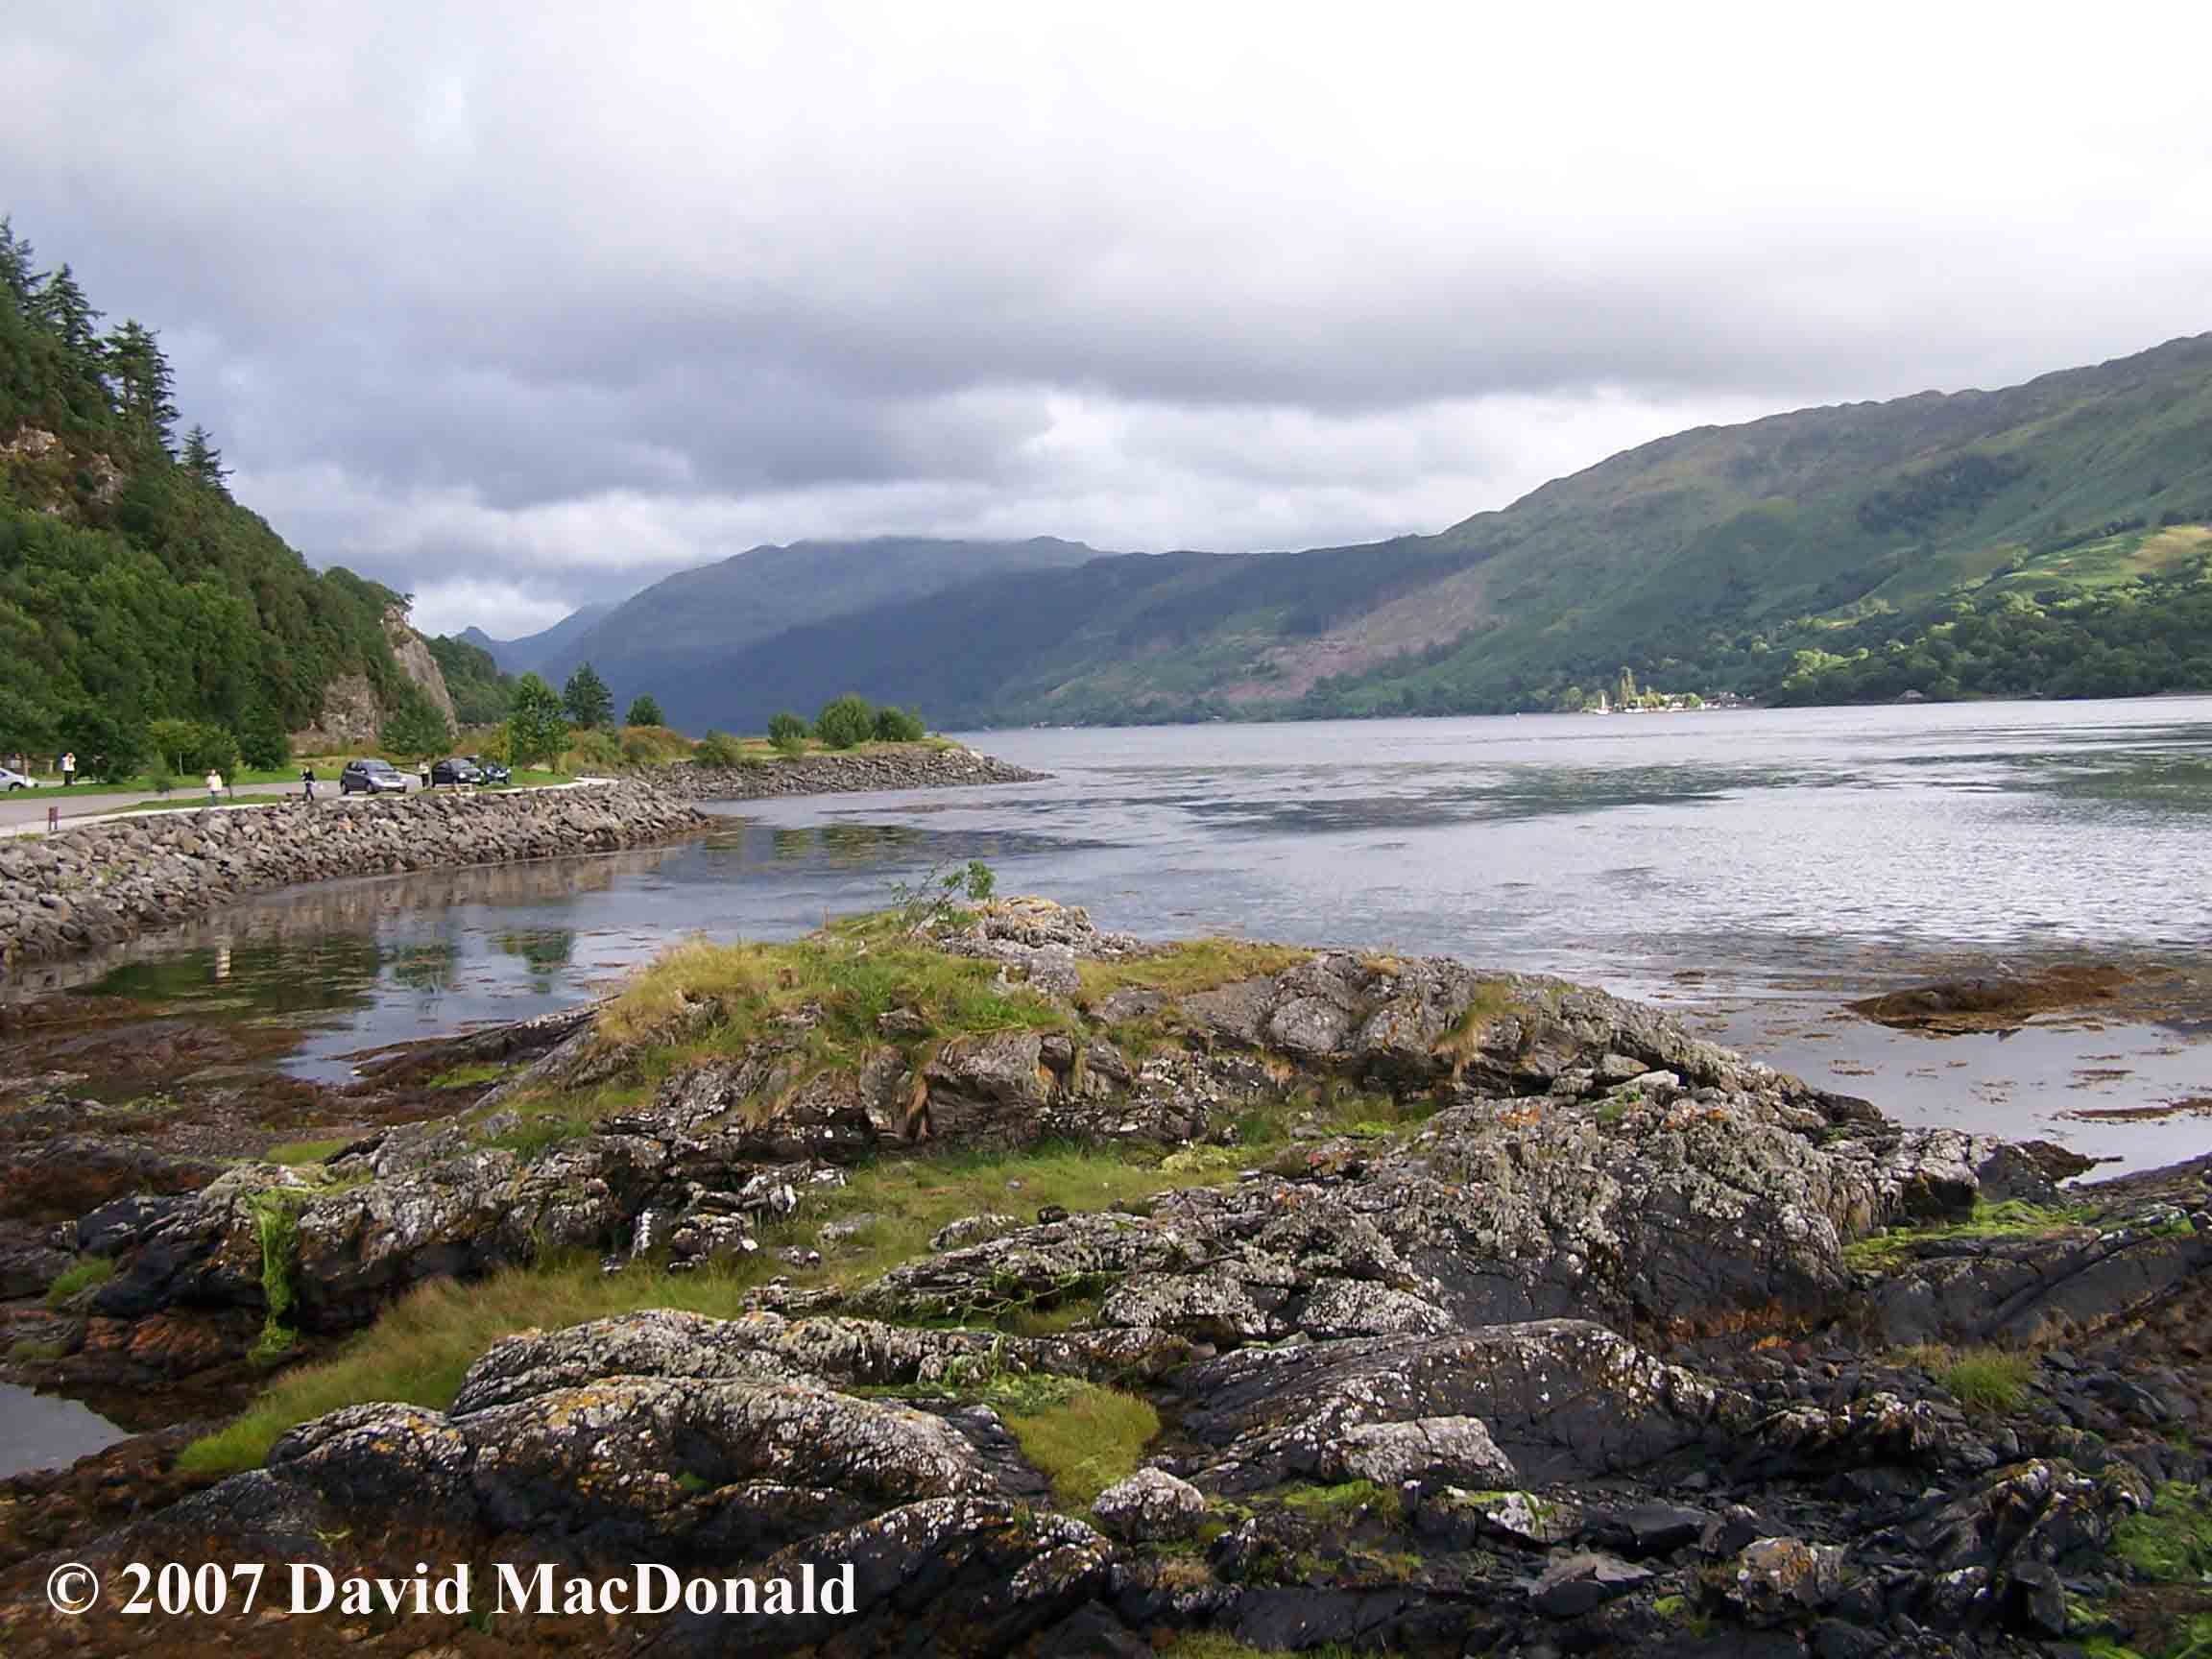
(1086,1442)
(2014,1218)
(420,1349)
(292,1154)
(1190,965)
(853,973)
(1987,1379)
(1338,1501)
(80,1276)
(1492,1001)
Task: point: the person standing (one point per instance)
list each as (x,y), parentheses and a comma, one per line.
(68,767)
(214,788)
(307,782)
(422,773)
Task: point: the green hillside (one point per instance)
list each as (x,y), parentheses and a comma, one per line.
(2043,540)
(133,588)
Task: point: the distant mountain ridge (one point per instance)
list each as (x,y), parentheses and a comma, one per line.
(672,637)
(2069,518)
(530,654)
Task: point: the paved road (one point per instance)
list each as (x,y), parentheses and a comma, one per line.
(19,807)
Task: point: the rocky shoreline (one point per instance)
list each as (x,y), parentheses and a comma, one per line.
(1293,1299)
(917,766)
(98,884)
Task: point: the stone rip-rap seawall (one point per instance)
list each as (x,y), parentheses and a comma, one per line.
(95,885)
(908,768)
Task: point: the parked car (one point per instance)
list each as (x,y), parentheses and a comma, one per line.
(489,771)
(13,779)
(371,776)
(456,769)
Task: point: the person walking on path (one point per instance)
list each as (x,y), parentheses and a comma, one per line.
(68,768)
(214,788)
(422,772)
(308,781)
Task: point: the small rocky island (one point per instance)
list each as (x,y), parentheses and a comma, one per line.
(1091,1298)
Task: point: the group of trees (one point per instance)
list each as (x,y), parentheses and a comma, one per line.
(133,588)
(845,723)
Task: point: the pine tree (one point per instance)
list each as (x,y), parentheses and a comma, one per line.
(203,460)
(140,381)
(61,306)
(644,710)
(585,698)
(18,271)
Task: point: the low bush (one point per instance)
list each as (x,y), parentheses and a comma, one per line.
(787,732)
(898,725)
(718,749)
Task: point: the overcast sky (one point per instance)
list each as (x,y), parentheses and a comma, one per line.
(522,306)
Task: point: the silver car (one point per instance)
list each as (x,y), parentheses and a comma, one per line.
(13,781)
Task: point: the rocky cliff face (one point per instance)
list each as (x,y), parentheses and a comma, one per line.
(353,714)
(1454,1312)
(414,661)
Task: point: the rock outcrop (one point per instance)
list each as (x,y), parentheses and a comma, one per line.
(1478,1312)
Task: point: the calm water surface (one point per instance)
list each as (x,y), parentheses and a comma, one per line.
(1752,869)
(44,1430)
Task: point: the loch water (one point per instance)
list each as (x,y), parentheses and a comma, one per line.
(1752,869)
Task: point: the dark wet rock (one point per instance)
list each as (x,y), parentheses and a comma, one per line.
(1524,1518)
(29,1264)
(1996,1002)
(2067,1283)
(67,1176)
(1560,1399)
(1573,1585)
(1642,1530)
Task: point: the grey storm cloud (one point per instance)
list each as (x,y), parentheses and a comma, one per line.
(520,305)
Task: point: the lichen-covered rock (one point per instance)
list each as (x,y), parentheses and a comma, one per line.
(1441,1449)
(1776,1579)
(1149,1507)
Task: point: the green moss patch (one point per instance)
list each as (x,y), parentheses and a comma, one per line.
(2169,1541)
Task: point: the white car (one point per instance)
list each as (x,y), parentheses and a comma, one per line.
(13,781)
